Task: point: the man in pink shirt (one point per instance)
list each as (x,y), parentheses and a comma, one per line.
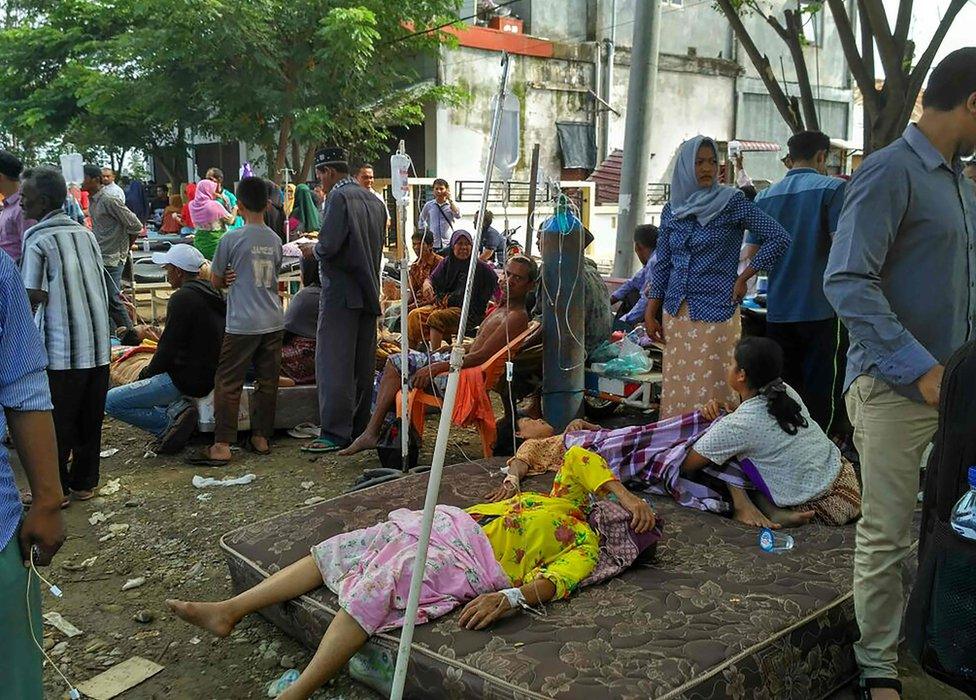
(12,221)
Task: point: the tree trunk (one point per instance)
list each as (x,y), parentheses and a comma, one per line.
(307,164)
(281,152)
(295,158)
(160,159)
(784,105)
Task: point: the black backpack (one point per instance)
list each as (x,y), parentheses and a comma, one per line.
(941,617)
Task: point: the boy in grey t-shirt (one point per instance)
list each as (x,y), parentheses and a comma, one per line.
(246,262)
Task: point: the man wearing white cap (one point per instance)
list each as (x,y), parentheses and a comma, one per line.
(185,360)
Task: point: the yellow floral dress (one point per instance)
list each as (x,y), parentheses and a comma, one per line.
(537,536)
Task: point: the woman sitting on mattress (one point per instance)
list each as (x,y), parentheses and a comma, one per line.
(521,552)
(796,469)
(790,462)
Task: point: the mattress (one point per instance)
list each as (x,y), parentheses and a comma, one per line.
(296,405)
(712,616)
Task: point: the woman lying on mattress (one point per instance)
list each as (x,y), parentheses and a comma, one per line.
(769,442)
(524,551)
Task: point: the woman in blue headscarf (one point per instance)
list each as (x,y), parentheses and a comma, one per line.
(695,278)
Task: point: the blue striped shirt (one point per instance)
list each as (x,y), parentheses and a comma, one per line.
(23,382)
(699,264)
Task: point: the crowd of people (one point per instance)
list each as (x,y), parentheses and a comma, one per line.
(749,427)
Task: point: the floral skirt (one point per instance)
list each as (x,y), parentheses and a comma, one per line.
(842,503)
(697,356)
(370,569)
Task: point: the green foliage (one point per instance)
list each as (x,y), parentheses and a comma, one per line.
(286,76)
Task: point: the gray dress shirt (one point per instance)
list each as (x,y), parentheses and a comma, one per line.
(902,268)
(112,223)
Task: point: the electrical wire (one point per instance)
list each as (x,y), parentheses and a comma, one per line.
(72,692)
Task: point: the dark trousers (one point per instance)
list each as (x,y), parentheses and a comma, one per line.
(345,364)
(78,396)
(814,362)
(237,354)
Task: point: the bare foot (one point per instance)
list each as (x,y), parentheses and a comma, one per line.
(209,616)
(366,441)
(260,443)
(883,694)
(219,450)
(753,517)
(793,518)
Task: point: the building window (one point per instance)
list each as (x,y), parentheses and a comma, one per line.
(812,20)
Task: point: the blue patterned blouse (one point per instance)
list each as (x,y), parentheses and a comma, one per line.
(698,264)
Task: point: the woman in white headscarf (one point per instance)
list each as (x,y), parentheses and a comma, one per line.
(695,278)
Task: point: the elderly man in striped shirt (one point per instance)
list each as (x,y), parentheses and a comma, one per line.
(72,304)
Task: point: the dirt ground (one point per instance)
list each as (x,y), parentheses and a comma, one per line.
(171,541)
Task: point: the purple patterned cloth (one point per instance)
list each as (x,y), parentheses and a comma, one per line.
(652,454)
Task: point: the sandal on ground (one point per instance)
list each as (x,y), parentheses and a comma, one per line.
(304,431)
(202,458)
(83,495)
(865,685)
(322,445)
(249,446)
(27,500)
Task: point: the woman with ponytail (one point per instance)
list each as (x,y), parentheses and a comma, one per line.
(798,472)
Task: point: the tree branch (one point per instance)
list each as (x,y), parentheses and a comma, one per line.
(892,55)
(863,76)
(793,32)
(903,21)
(765,70)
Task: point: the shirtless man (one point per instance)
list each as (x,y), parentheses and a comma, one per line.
(508,321)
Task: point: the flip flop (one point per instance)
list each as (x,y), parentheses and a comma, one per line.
(304,431)
(202,458)
(322,445)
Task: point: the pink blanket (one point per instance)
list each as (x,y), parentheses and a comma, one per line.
(370,569)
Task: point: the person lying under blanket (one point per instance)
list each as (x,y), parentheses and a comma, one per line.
(496,557)
(680,456)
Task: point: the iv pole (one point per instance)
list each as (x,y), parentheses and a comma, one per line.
(444,427)
(398,171)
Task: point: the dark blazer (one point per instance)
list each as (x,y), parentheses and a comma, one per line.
(350,248)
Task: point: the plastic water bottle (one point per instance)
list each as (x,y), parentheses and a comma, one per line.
(775,542)
(280,685)
(963,518)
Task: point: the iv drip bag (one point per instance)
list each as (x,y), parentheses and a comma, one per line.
(509,145)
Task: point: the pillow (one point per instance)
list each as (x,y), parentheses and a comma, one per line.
(620,545)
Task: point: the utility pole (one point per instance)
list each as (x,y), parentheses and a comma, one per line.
(637,131)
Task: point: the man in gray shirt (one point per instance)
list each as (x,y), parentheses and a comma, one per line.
(115,228)
(902,277)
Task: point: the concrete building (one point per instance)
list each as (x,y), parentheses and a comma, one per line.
(706,85)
